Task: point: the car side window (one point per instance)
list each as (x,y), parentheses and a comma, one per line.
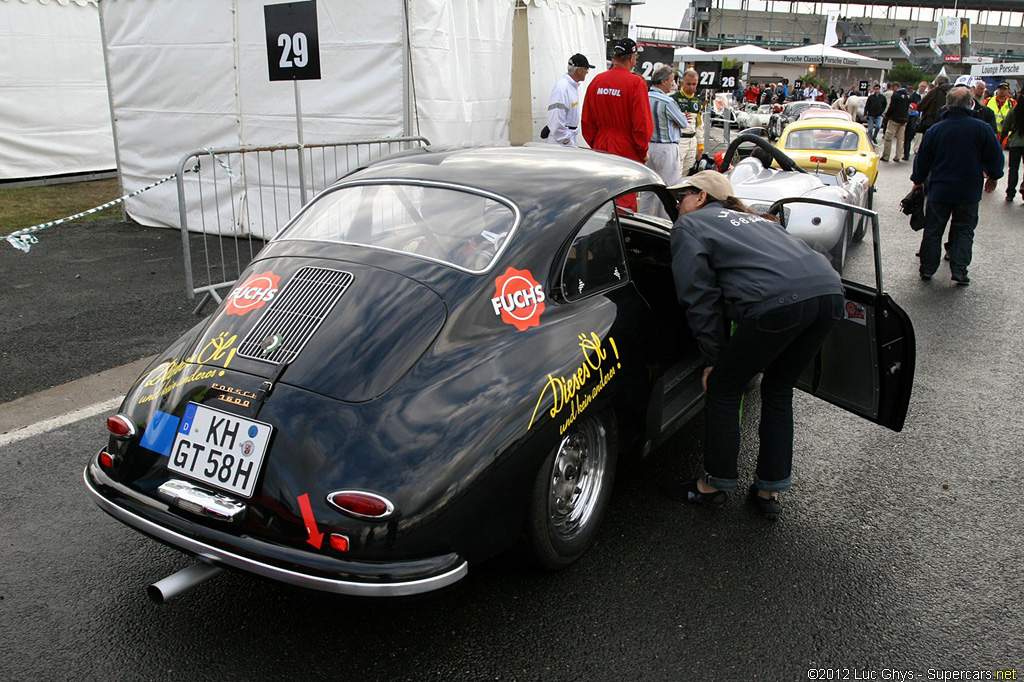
(595,261)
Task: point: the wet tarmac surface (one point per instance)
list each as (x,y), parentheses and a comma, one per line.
(896,553)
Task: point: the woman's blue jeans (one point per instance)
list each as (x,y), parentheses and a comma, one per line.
(779,343)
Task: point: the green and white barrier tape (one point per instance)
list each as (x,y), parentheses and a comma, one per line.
(24,239)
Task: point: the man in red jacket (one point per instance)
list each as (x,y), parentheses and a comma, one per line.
(616,113)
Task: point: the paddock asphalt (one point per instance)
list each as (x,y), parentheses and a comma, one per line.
(87,298)
(897,557)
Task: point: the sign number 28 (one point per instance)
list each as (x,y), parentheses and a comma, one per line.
(295,50)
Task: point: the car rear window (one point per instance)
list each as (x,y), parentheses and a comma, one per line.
(823,139)
(461,228)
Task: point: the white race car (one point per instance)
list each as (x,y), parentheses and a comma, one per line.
(769,175)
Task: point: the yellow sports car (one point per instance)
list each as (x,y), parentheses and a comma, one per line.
(829,144)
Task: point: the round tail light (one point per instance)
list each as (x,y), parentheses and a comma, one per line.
(361,504)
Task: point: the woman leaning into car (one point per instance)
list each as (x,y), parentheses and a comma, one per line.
(730,263)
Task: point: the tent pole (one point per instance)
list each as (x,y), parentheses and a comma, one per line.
(110,104)
(407,102)
(302,149)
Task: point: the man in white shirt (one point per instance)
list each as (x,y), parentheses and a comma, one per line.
(564,104)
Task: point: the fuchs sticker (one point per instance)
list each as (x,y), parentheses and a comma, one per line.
(257,291)
(518,299)
(855,312)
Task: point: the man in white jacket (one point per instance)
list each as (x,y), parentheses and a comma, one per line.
(564,104)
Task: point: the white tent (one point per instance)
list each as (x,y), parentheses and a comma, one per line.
(743,53)
(829,56)
(182,79)
(53,95)
(690,53)
(558,30)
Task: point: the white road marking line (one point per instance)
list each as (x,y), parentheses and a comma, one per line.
(60,420)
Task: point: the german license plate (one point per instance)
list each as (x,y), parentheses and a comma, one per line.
(219,448)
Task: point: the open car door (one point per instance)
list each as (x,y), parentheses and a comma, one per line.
(867,364)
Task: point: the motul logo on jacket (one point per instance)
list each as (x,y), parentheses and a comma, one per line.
(255,293)
(609,91)
(518,299)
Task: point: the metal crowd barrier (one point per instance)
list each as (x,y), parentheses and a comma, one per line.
(232,200)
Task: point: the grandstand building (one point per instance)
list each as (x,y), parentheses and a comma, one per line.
(884,30)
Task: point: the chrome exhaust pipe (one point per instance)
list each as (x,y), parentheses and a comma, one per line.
(170,587)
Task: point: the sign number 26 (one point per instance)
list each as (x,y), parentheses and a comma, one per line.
(294,50)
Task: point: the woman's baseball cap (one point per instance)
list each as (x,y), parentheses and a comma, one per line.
(714,183)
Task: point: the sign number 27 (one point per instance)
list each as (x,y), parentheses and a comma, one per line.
(295,50)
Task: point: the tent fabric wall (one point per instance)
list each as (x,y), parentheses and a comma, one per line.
(53,95)
(462,68)
(183,79)
(558,30)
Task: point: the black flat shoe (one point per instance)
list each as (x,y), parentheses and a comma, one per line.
(768,508)
(688,492)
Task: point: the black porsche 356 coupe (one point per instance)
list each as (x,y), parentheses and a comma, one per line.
(440,358)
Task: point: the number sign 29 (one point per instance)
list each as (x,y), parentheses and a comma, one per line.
(293,45)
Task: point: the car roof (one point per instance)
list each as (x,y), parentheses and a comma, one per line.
(816,112)
(831,123)
(537,178)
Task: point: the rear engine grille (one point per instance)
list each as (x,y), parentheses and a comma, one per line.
(294,315)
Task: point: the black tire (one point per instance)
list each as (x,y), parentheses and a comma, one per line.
(571,493)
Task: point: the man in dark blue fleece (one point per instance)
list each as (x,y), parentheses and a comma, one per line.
(958,155)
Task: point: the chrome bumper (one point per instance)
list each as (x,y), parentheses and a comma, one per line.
(222,557)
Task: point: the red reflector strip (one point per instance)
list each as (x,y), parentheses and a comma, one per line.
(819,159)
(339,542)
(106,460)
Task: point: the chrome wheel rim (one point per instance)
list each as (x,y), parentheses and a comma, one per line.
(577,479)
